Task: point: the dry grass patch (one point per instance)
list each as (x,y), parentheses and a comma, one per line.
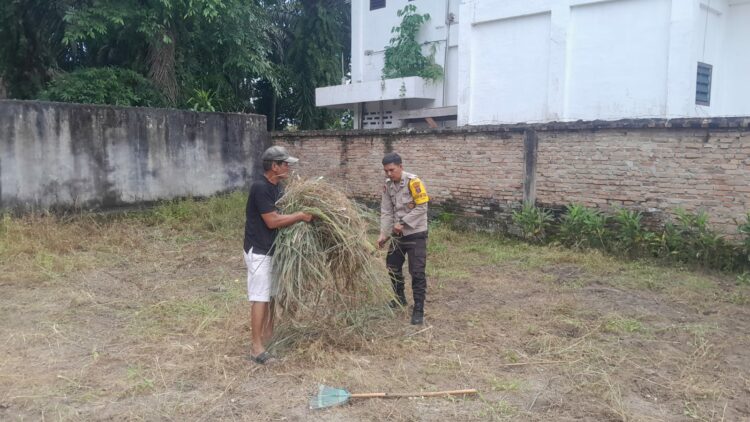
(144,318)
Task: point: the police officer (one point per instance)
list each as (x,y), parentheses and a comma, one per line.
(403,217)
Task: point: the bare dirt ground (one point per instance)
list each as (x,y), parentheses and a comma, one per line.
(130,319)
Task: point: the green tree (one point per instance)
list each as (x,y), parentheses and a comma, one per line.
(269,100)
(310,40)
(109,85)
(263,56)
(316,57)
(31,48)
(183,45)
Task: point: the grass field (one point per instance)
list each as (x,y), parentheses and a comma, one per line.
(142,316)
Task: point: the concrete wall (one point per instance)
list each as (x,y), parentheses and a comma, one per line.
(565,60)
(71,155)
(709,47)
(736,98)
(654,166)
(617,60)
(509,80)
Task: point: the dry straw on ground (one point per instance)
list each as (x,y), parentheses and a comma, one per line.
(331,280)
(144,317)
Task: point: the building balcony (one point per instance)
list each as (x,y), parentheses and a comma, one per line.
(348,96)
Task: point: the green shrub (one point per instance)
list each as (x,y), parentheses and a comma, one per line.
(446,217)
(202,100)
(688,238)
(403,57)
(744,229)
(534,222)
(691,240)
(697,240)
(583,227)
(658,244)
(629,235)
(107,85)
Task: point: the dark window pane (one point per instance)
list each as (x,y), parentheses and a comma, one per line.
(703,84)
(377,4)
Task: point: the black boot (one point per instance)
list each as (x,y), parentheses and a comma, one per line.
(397,281)
(400,300)
(417,316)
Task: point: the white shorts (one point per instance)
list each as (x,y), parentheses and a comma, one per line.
(259,280)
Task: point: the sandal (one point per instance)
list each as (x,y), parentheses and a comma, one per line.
(262,358)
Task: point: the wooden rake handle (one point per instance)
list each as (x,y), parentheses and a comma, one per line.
(423,394)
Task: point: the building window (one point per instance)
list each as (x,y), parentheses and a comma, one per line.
(703,84)
(377,4)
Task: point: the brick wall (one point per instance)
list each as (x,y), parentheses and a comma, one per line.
(654,166)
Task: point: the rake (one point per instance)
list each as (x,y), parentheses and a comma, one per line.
(329,396)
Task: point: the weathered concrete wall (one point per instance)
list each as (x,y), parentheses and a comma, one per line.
(654,166)
(72,155)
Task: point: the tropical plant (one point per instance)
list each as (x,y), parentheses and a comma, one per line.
(403,57)
(310,48)
(534,222)
(690,239)
(202,100)
(316,57)
(582,227)
(744,229)
(630,236)
(107,85)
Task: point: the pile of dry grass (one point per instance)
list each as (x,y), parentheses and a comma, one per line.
(329,277)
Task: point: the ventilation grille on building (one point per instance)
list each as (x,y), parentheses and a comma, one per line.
(371,120)
(377,4)
(703,84)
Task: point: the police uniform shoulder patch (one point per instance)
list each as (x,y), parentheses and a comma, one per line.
(418,191)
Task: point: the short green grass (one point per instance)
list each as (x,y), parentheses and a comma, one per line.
(468,252)
(507,384)
(186,316)
(622,325)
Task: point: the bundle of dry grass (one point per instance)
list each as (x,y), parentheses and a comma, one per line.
(327,273)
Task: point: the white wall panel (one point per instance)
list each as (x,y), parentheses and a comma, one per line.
(509,70)
(617,60)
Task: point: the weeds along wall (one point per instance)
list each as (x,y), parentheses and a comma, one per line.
(55,155)
(653,166)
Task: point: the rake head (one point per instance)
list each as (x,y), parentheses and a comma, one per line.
(328,397)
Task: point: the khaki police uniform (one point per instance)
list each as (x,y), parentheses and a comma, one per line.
(406,203)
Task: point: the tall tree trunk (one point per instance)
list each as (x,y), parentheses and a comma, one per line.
(161,60)
(273,111)
(3,89)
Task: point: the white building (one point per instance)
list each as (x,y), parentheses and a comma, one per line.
(511,61)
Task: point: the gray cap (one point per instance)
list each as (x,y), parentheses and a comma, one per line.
(278,153)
